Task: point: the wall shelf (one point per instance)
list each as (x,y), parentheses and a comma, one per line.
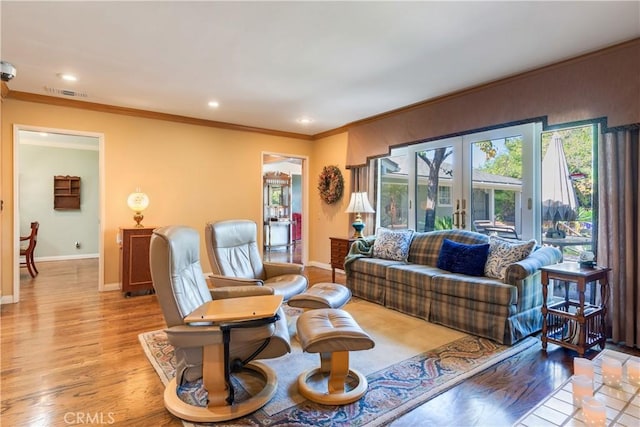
(66,192)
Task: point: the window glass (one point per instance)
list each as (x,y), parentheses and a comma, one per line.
(567,189)
(513,180)
(393,192)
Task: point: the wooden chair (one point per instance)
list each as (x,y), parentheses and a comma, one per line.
(27,252)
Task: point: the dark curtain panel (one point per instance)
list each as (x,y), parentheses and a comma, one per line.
(619,232)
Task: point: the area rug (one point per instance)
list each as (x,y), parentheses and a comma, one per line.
(412,362)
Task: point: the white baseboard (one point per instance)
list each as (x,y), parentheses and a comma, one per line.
(8,299)
(65,257)
(116,286)
(321,265)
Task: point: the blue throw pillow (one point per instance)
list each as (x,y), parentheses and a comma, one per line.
(465,259)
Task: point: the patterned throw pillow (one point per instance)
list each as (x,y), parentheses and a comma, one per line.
(461,258)
(392,244)
(503,253)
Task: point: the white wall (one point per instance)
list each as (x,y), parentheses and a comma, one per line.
(59,229)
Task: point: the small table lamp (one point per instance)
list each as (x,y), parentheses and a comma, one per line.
(359,204)
(138,202)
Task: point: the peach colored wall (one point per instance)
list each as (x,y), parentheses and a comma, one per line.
(327,220)
(192,174)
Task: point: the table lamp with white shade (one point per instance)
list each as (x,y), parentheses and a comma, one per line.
(359,204)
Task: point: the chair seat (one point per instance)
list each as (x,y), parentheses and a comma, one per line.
(287,285)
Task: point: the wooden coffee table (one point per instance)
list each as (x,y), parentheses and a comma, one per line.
(623,404)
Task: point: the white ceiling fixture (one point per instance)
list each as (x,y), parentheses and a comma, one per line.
(213,104)
(67,77)
(344,61)
(305,120)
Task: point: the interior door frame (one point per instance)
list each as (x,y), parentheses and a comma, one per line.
(305,199)
(16,199)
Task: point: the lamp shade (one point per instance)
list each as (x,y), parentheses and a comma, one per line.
(359,203)
(138,201)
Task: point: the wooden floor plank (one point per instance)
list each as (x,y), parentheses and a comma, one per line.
(69,351)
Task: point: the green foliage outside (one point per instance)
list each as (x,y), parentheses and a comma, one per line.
(506,164)
(444,223)
(392,200)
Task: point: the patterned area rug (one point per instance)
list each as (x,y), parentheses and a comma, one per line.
(412,362)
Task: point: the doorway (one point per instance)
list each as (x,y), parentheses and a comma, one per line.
(40,154)
(284,234)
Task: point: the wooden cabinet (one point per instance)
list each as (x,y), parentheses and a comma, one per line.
(134,260)
(339,249)
(569,320)
(66,192)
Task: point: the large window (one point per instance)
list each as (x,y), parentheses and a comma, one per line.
(499,179)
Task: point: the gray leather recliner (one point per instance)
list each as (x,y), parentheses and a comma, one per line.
(235,260)
(181,288)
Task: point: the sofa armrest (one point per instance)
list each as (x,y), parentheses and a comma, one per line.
(273,269)
(520,270)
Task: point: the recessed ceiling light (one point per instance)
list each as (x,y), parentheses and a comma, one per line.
(44,134)
(214,104)
(304,120)
(67,77)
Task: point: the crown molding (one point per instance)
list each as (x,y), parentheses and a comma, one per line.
(105,108)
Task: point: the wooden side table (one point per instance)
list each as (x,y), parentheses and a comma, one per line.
(339,250)
(135,272)
(575,324)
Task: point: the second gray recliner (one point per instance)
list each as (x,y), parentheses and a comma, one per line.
(235,260)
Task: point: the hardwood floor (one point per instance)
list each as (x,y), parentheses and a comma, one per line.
(70,355)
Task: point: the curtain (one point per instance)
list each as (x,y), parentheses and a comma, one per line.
(619,232)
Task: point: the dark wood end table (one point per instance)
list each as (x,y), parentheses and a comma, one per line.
(571,323)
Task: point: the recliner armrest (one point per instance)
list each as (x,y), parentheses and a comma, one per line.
(273,269)
(240,291)
(218,281)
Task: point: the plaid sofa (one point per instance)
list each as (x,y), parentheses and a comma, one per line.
(504,311)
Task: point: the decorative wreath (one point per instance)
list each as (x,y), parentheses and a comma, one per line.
(330,184)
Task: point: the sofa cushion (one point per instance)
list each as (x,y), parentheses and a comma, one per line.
(392,244)
(483,289)
(375,267)
(462,258)
(413,275)
(425,247)
(503,253)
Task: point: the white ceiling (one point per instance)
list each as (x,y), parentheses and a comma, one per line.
(270,63)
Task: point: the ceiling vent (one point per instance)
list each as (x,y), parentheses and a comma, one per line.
(65,92)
